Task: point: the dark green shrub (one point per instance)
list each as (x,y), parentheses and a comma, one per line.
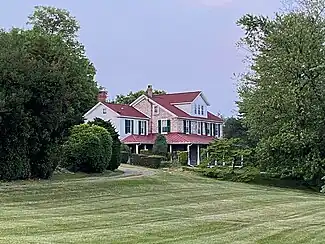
(182,157)
(88,149)
(149,161)
(125,157)
(160,147)
(166,164)
(116,146)
(247,174)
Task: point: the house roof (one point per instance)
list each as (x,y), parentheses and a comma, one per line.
(167,101)
(181,97)
(125,110)
(172,138)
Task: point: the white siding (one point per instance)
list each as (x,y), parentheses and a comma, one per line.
(199,102)
(98,113)
(185,107)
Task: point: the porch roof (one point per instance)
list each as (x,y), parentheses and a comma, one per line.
(172,138)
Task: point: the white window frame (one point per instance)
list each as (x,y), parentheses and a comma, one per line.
(199,124)
(164,126)
(142,127)
(208,129)
(187,127)
(155,109)
(104,110)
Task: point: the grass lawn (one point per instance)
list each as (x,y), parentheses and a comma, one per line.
(164,208)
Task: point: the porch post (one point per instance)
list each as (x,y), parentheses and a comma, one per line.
(145,147)
(198,155)
(170,148)
(188,155)
(137,148)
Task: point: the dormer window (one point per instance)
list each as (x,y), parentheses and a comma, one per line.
(195,108)
(199,109)
(104,110)
(155,109)
(202,110)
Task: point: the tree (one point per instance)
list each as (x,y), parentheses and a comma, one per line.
(88,149)
(116,147)
(132,96)
(47,85)
(283,95)
(234,128)
(160,147)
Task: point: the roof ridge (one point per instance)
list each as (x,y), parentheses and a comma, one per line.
(176,93)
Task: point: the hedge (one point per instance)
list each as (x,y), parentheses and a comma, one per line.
(149,161)
(182,157)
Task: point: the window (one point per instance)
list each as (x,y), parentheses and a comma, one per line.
(104,110)
(195,109)
(142,128)
(155,109)
(217,132)
(207,129)
(199,109)
(199,128)
(163,126)
(202,110)
(187,126)
(128,126)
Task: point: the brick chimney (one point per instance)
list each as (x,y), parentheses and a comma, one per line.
(149,91)
(102,95)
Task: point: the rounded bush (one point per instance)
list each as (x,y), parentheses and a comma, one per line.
(88,149)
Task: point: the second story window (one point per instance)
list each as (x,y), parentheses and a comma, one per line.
(187,126)
(128,126)
(142,127)
(199,109)
(195,109)
(104,110)
(207,129)
(155,109)
(163,126)
(202,110)
(199,128)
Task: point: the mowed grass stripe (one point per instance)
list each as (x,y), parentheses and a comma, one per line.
(164,208)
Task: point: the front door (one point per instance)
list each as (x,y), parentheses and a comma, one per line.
(193,155)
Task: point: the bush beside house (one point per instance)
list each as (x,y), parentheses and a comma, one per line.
(116,147)
(88,149)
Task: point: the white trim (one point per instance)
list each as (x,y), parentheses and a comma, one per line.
(130,117)
(136,101)
(181,103)
(98,104)
(204,98)
(201,120)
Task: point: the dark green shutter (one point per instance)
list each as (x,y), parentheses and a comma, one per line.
(184,126)
(206,129)
(126,126)
(201,124)
(168,125)
(159,126)
(219,133)
(190,127)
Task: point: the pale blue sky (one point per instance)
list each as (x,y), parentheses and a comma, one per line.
(175,45)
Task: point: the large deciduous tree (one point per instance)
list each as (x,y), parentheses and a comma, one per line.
(47,84)
(283,95)
(132,96)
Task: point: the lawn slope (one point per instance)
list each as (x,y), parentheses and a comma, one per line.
(161,208)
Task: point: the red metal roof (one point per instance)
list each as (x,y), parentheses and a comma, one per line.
(172,138)
(125,110)
(167,101)
(181,97)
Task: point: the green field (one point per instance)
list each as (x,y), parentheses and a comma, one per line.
(168,207)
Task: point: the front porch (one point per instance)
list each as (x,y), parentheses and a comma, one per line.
(193,150)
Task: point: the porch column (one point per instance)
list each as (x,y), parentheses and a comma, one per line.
(188,155)
(198,155)
(145,147)
(171,152)
(137,148)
